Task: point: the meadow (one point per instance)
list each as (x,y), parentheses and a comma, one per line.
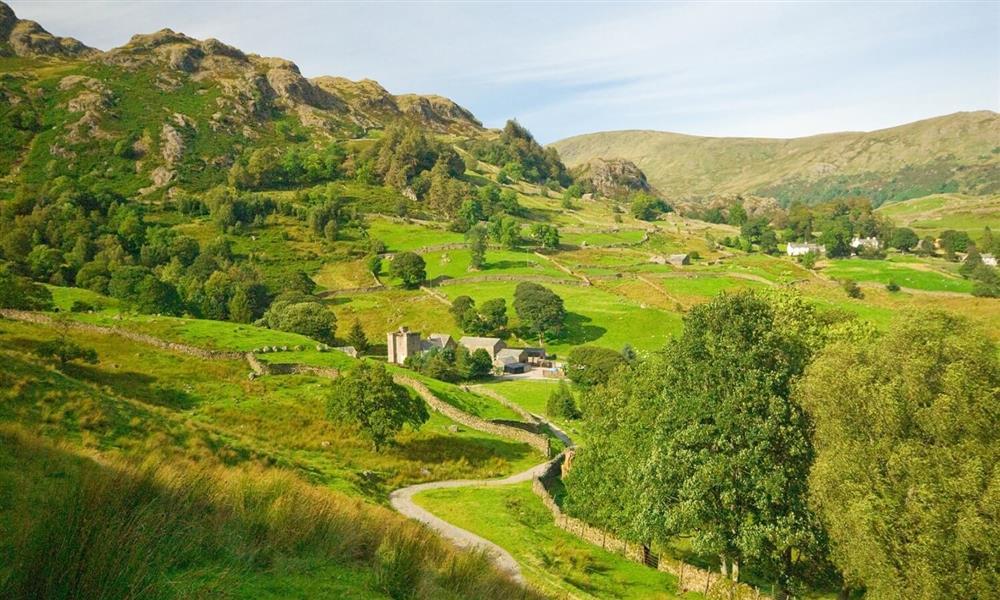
(80,524)
(557,561)
(913,275)
(142,399)
(930,215)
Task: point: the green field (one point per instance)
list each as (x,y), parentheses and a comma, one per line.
(594,316)
(454,264)
(399,237)
(918,276)
(144,397)
(556,561)
(932,214)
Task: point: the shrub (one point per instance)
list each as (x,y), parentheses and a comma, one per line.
(592,365)
(561,404)
(892,286)
(65,351)
(301,315)
(852,288)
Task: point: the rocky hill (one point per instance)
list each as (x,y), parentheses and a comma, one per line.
(19,37)
(952,153)
(166,107)
(614,177)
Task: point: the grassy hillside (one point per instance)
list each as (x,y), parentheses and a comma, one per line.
(953,153)
(76,523)
(930,215)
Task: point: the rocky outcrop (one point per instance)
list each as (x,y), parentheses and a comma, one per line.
(613,178)
(27,38)
(171,144)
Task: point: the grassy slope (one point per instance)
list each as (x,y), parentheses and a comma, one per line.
(152,399)
(558,562)
(932,214)
(908,161)
(77,523)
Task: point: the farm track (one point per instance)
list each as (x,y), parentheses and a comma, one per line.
(402,501)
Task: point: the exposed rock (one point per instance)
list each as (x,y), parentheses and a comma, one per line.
(160,177)
(28,38)
(437,112)
(86,128)
(614,177)
(289,84)
(171,144)
(89,101)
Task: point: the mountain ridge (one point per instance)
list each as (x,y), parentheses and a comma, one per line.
(166,108)
(956,152)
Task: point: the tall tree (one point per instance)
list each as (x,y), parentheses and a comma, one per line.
(539,309)
(356,337)
(410,268)
(476,237)
(907,434)
(368,397)
(703,439)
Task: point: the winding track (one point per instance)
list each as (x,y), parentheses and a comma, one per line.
(402,501)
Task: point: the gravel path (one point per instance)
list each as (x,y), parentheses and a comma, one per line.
(402,501)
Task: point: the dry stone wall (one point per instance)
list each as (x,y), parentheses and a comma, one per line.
(259,368)
(485,391)
(689,578)
(537,441)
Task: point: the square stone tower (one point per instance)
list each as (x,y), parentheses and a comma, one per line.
(401,344)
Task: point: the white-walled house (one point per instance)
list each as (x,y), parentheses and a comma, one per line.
(989,260)
(803,248)
(868,242)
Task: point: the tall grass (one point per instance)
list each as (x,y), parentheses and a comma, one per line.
(181,530)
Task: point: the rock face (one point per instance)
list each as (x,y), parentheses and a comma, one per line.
(234,103)
(614,177)
(28,38)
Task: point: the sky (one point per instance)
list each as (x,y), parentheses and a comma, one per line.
(775,69)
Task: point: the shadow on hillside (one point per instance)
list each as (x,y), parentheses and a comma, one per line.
(475,451)
(578,331)
(136,386)
(508,264)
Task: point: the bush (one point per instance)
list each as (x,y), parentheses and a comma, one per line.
(301,315)
(410,268)
(66,351)
(561,404)
(892,286)
(592,365)
(852,288)
(79,306)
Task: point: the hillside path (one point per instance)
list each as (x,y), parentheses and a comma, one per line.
(402,501)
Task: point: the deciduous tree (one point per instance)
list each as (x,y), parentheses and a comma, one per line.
(907,437)
(368,397)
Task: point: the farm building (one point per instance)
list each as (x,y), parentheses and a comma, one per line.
(490,344)
(402,344)
(868,242)
(803,248)
(679,260)
(442,341)
(511,360)
(989,260)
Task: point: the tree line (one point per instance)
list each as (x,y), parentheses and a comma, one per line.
(805,447)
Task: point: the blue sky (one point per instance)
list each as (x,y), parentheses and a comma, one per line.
(743,69)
